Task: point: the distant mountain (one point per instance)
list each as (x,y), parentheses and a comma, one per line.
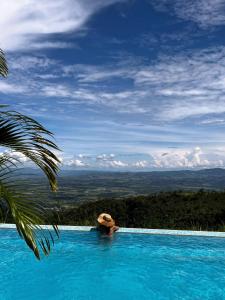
(76,186)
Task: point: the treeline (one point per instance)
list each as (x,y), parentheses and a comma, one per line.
(201,210)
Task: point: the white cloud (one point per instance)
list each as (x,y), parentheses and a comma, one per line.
(109,161)
(188,85)
(76,163)
(59,45)
(141,164)
(19,156)
(158,159)
(101,161)
(30,64)
(124,102)
(83,156)
(100,74)
(16,156)
(203,12)
(27,23)
(186,159)
(212,121)
(182,93)
(105,157)
(11,88)
(116,164)
(56,91)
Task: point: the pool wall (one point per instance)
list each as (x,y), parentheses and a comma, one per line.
(133,230)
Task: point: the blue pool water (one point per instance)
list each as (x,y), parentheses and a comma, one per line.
(131,266)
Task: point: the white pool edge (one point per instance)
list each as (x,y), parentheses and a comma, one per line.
(133,230)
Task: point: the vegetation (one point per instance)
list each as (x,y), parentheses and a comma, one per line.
(202,210)
(83,195)
(135,198)
(23,135)
(82,186)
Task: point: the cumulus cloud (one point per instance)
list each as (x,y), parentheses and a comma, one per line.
(76,163)
(141,164)
(186,159)
(117,164)
(173,158)
(101,161)
(109,161)
(27,23)
(17,157)
(84,156)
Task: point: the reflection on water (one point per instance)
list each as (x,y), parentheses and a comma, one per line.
(103,239)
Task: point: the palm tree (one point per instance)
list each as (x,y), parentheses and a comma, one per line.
(24,135)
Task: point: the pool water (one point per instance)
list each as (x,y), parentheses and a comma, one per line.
(130,266)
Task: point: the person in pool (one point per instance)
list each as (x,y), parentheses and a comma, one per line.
(106,224)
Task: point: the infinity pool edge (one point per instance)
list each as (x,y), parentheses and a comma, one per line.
(133,230)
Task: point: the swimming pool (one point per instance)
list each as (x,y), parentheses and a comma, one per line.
(131,266)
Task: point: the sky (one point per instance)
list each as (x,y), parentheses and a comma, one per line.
(123,84)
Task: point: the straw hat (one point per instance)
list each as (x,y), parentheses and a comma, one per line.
(106,220)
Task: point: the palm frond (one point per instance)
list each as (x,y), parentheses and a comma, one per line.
(28,217)
(3,209)
(3,64)
(7,161)
(25,135)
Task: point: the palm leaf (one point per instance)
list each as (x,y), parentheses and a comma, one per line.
(28,217)
(3,64)
(27,214)
(25,135)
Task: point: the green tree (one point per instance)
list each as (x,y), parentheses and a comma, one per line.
(23,135)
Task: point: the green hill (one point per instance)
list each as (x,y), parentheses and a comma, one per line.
(83,186)
(175,210)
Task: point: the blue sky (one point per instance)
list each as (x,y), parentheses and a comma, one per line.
(123,84)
